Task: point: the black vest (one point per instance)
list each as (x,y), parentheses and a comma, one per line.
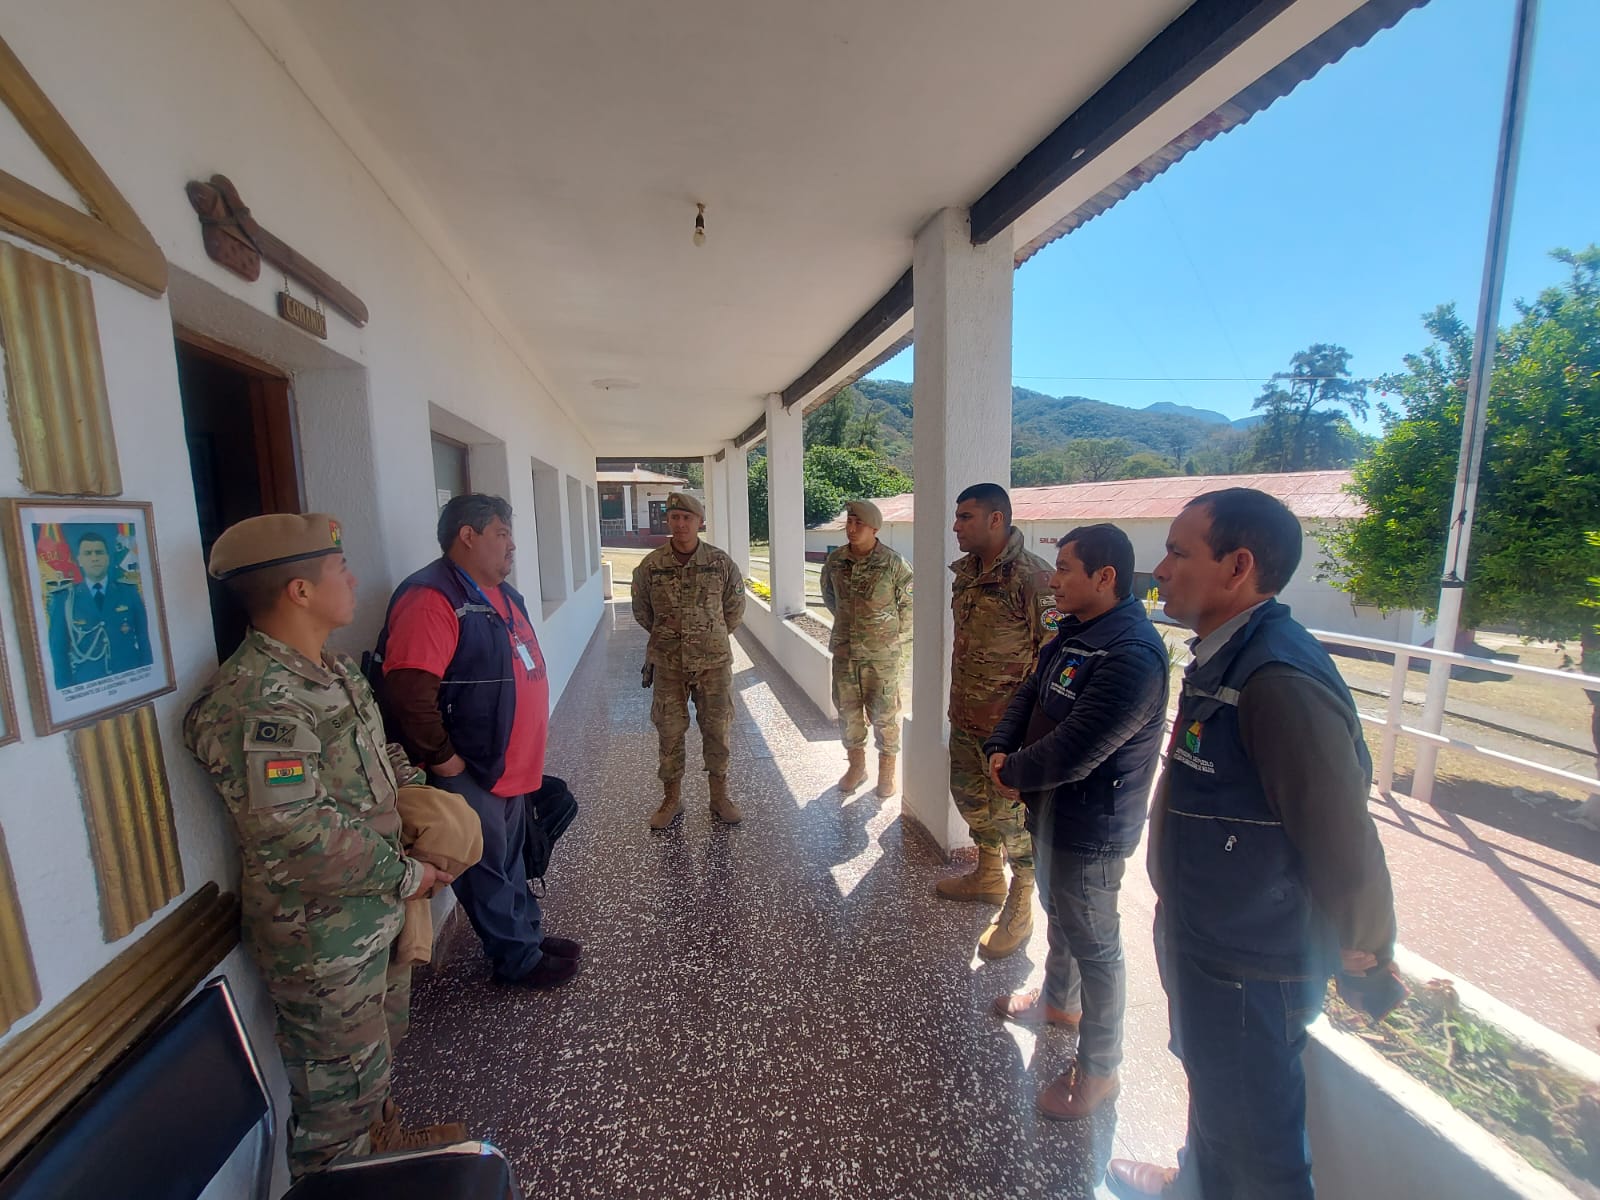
(1232,889)
(478,695)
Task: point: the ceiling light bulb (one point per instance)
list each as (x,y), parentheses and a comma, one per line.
(700,225)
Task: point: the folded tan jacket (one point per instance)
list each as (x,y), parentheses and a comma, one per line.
(438,827)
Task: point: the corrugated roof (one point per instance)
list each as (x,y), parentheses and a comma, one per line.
(1310,495)
(637,475)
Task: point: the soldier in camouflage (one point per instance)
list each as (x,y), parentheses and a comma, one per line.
(867,588)
(292,738)
(1003,613)
(689,596)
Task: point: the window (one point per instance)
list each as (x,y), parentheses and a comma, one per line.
(547,534)
(594,530)
(576,524)
(452,476)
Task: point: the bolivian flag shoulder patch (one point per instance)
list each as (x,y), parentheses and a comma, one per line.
(281,772)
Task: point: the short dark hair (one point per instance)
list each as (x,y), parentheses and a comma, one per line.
(1100,546)
(992,496)
(475,510)
(91,537)
(258,591)
(1245,518)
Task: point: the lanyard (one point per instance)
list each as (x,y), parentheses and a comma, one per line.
(529,662)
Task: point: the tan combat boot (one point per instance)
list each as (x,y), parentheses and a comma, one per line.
(722,808)
(856,774)
(671,805)
(1014,922)
(984,884)
(885,787)
(387,1134)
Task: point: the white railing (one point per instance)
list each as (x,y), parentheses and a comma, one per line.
(1393,725)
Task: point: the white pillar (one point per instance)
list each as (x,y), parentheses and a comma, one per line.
(961,434)
(786,510)
(737,466)
(713,502)
(627,507)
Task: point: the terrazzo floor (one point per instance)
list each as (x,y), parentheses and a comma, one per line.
(778,1009)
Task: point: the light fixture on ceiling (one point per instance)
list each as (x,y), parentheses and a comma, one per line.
(700,225)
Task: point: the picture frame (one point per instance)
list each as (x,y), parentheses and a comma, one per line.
(86,581)
(9,730)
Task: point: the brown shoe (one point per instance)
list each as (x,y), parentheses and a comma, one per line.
(885,787)
(856,774)
(1075,1094)
(388,1135)
(722,808)
(1131,1180)
(1013,924)
(671,805)
(1024,1008)
(984,884)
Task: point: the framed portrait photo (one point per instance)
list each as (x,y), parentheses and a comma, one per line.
(8,710)
(87,587)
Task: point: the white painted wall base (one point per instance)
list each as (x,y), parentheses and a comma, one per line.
(805,662)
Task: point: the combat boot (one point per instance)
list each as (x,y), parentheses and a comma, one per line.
(671,805)
(387,1134)
(885,787)
(722,808)
(984,884)
(856,775)
(1014,922)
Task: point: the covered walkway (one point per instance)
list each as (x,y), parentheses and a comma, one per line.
(783,1008)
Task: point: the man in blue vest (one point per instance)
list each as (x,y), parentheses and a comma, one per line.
(1079,742)
(464,681)
(1268,872)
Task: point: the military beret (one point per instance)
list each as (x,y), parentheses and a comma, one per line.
(684,502)
(272,540)
(866,512)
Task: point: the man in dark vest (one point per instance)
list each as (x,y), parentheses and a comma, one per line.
(1080,742)
(1268,872)
(463,680)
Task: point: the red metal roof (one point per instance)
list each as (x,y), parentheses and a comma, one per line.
(1310,495)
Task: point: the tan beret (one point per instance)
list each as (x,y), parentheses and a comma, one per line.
(274,539)
(684,502)
(866,512)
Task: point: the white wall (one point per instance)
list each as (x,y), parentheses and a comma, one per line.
(162,92)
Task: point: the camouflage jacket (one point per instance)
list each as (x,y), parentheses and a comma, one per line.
(690,610)
(1003,615)
(870,599)
(297,750)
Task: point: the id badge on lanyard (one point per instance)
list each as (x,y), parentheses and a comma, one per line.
(525,655)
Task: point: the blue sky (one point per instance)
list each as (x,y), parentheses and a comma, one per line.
(1341,214)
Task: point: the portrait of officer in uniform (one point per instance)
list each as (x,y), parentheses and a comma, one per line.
(98,625)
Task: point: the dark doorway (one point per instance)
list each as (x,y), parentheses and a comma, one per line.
(658,516)
(238,419)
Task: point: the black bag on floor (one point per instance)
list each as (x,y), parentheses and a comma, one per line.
(550,810)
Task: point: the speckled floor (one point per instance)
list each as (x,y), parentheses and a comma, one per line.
(779,1009)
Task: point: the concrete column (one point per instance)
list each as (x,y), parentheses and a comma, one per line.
(713,500)
(786,511)
(627,507)
(961,431)
(737,473)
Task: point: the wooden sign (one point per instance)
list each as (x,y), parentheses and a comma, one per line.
(298,312)
(233,238)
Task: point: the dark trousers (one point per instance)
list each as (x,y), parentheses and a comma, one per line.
(1083,968)
(494,894)
(1240,1041)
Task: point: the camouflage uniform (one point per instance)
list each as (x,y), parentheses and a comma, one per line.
(1002,617)
(870,599)
(689,611)
(297,750)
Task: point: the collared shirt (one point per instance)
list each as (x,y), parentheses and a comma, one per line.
(1205,648)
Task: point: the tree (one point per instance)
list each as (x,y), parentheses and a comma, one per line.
(1300,430)
(1042,470)
(843,421)
(830,476)
(1539,487)
(1145,465)
(1097,458)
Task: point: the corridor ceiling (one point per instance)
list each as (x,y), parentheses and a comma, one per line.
(562,145)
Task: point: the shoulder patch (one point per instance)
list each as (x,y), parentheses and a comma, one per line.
(1052,618)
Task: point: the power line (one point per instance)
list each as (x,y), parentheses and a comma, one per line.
(1173,378)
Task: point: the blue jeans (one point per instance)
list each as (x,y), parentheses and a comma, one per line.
(1240,1041)
(1083,968)
(494,894)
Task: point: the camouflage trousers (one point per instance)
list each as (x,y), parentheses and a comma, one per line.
(711,691)
(868,691)
(336,1029)
(996,823)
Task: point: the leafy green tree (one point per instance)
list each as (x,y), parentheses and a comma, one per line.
(1539,488)
(1301,426)
(1146,465)
(830,476)
(1095,459)
(1042,470)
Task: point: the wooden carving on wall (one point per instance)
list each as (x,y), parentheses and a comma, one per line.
(234,239)
(110,237)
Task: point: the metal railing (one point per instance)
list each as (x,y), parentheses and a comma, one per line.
(1393,725)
